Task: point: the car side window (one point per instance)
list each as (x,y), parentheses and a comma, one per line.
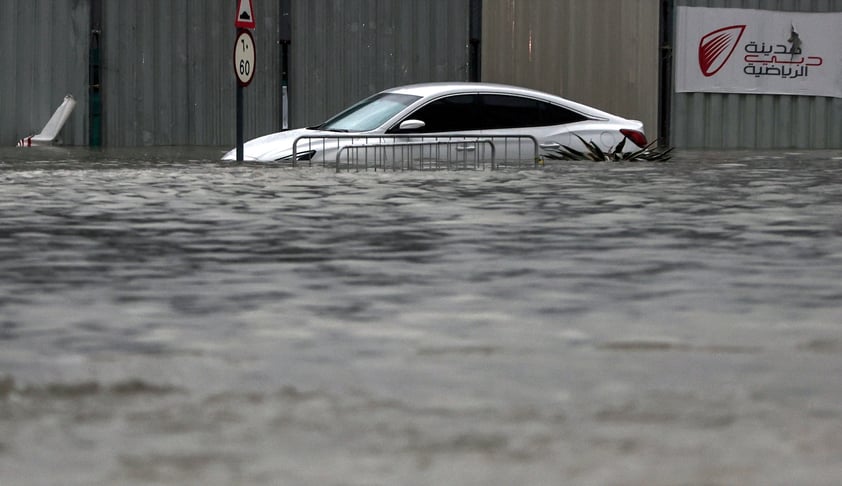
(450,114)
(556,115)
(502,111)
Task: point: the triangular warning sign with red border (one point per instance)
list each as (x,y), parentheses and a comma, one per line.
(245,15)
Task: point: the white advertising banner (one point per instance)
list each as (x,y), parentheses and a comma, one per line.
(727,50)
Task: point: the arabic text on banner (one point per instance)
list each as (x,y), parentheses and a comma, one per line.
(726,50)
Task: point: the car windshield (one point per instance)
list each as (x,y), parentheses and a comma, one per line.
(369,113)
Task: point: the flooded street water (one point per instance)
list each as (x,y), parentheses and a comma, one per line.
(166,318)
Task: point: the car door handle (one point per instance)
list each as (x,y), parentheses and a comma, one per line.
(466,148)
(551,145)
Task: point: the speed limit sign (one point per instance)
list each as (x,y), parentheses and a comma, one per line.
(244,57)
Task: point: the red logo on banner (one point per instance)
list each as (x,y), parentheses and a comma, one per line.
(716,48)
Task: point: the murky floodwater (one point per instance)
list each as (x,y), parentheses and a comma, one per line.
(169,319)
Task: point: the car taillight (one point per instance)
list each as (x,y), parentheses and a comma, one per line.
(638,138)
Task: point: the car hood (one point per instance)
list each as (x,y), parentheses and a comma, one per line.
(274,146)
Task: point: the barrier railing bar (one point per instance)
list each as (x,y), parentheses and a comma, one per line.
(434,161)
(407,144)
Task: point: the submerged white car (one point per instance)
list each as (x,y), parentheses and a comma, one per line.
(424,111)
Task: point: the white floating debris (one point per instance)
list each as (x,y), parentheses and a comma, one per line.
(54,125)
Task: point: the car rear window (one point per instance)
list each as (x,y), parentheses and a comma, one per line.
(502,111)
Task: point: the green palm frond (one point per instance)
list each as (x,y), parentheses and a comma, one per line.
(594,153)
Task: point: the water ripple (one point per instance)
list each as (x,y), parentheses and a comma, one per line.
(586,323)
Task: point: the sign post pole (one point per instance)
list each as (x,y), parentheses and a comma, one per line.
(240,143)
(244,63)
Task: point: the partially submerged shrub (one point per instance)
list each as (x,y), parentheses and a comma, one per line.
(594,153)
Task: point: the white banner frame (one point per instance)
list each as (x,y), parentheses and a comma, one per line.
(728,50)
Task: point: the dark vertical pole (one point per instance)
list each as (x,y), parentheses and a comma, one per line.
(239,122)
(286,39)
(665,41)
(239,115)
(94,76)
(474,40)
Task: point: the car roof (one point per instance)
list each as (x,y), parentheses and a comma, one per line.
(426,90)
(433,89)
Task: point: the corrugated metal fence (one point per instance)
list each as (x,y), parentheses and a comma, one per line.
(166,64)
(167,75)
(730,121)
(43,56)
(599,52)
(344,50)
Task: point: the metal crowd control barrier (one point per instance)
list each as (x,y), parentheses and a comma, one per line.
(417,156)
(402,152)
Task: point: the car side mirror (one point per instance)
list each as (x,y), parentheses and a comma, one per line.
(410,125)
